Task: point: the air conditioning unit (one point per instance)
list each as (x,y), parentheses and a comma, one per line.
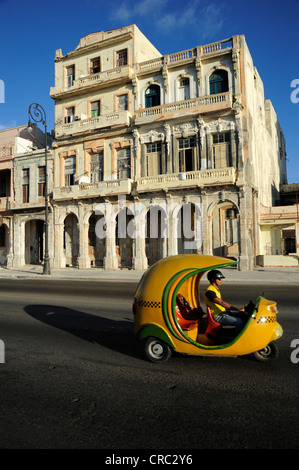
(84,179)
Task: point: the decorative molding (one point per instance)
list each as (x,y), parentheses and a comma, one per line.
(152,136)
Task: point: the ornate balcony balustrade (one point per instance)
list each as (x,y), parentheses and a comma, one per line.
(200,178)
(93,123)
(86,190)
(200,105)
(183,56)
(88,82)
(190,179)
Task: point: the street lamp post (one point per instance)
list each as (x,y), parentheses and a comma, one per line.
(37,113)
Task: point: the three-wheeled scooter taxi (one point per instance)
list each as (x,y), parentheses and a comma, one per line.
(168,315)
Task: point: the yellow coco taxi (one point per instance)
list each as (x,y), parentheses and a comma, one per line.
(168,315)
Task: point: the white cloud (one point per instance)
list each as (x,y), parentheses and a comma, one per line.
(170,17)
(212,21)
(121,12)
(167,22)
(8,125)
(148,6)
(128,11)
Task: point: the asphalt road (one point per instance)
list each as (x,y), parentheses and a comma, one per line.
(75,378)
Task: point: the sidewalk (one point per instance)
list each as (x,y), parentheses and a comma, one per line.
(232,275)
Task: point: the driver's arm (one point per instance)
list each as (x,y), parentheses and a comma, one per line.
(226,305)
(213,297)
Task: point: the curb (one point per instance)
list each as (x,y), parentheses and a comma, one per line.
(258,276)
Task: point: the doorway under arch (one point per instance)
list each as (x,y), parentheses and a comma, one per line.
(34,241)
(71,240)
(156,229)
(225,230)
(124,238)
(96,245)
(186,229)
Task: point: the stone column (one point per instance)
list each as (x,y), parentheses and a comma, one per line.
(246,230)
(202,144)
(172,240)
(173,236)
(110,259)
(10,247)
(198,68)
(140,259)
(168,149)
(239,138)
(83,258)
(206,225)
(137,166)
(209,139)
(59,259)
(233,146)
(198,226)
(19,243)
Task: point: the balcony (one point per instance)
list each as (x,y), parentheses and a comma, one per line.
(279,214)
(17,205)
(80,126)
(112,76)
(200,178)
(205,104)
(89,190)
(5,203)
(89,82)
(187,56)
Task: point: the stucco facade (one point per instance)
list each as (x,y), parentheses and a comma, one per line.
(280,230)
(17,145)
(28,208)
(155,136)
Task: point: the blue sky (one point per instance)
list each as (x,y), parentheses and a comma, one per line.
(30,33)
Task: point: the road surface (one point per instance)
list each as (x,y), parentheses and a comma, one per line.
(75,378)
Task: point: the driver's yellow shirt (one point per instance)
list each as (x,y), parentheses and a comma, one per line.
(216,309)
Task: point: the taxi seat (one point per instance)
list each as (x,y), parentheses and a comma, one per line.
(212,326)
(183,312)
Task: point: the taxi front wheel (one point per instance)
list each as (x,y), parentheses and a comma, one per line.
(156,350)
(269,352)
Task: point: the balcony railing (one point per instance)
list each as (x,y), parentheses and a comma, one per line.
(103,188)
(118,73)
(92,123)
(190,54)
(189,179)
(112,76)
(204,104)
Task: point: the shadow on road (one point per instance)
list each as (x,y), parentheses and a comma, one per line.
(117,335)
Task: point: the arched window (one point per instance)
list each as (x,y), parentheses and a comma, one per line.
(218,82)
(152,96)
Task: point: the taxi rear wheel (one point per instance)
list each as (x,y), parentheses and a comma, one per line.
(267,353)
(156,350)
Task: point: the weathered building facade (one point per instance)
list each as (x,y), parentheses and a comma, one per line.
(22,200)
(152,141)
(153,156)
(28,207)
(279,227)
